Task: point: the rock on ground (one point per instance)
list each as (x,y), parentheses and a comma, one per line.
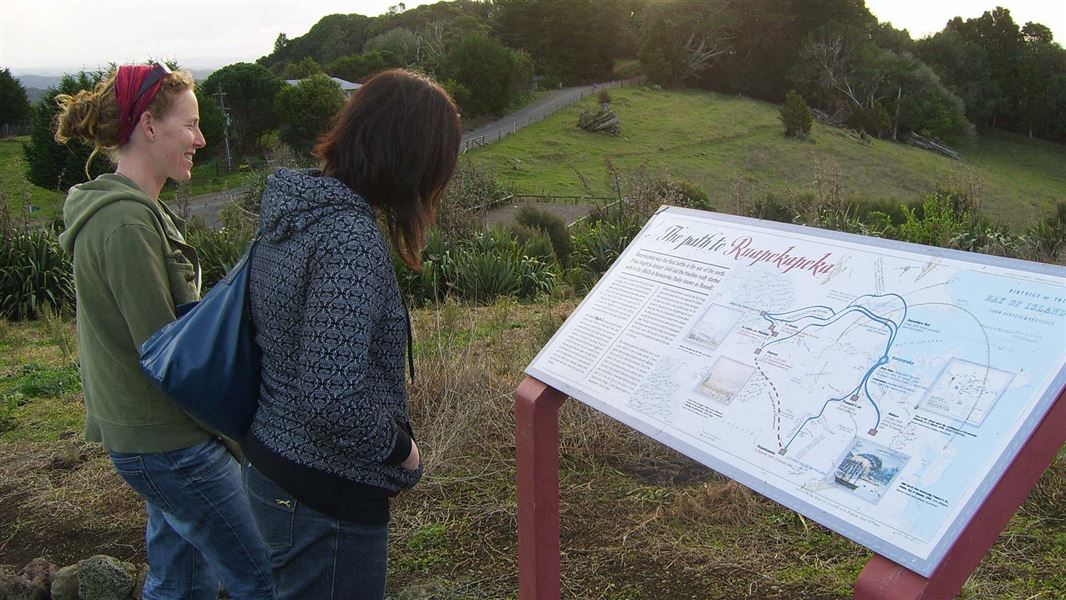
(102,577)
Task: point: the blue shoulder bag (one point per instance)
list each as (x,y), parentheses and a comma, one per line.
(207,360)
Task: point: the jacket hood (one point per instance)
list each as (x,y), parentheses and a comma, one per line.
(294,200)
(84,199)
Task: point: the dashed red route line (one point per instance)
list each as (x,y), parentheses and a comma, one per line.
(773,401)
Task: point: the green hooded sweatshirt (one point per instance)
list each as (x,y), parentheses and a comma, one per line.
(131,268)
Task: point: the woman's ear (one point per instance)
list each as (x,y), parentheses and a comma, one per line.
(147,126)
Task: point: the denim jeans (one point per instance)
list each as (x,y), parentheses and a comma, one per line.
(200,530)
(314,555)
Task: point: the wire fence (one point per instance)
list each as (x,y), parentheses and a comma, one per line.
(15,129)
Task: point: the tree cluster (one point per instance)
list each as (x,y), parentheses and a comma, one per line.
(14,106)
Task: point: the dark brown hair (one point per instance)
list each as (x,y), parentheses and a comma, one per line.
(396,143)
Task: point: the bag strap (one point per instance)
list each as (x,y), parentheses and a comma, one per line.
(410,338)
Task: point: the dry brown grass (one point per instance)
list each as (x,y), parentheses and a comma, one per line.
(638,519)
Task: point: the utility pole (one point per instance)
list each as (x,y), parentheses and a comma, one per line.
(225,126)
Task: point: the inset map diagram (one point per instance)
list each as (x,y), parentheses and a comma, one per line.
(725,380)
(713,327)
(966,391)
(868,470)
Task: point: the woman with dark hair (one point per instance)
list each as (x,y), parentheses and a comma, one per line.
(331,441)
(132,267)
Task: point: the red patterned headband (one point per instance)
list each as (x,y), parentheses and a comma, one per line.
(135,88)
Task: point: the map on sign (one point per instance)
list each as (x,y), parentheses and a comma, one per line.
(879,388)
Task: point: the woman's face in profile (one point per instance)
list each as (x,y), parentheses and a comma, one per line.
(178,137)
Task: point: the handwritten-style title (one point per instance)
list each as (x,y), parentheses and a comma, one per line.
(743,249)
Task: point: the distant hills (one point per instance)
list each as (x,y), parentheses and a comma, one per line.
(37,84)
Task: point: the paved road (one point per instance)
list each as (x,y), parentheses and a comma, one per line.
(532,113)
(209,206)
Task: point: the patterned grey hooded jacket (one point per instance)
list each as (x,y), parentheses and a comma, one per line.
(332,426)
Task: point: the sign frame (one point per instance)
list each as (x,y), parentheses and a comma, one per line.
(973,506)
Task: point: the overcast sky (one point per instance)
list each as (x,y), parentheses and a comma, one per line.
(66,35)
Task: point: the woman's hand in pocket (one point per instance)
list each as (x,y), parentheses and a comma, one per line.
(411,464)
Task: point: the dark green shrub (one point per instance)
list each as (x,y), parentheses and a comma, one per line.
(772,208)
(878,224)
(429,285)
(483,276)
(598,245)
(796,116)
(941,221)
(531,216)
(874,120)
(678,192)
(35,274)
(1048,237)
(893,209)
(534,242)
(218,250)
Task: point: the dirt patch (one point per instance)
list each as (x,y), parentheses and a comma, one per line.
(63,501)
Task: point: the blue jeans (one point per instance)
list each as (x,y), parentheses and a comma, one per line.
(200,530)
(314,555)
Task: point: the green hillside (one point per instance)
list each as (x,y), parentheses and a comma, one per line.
(716,141)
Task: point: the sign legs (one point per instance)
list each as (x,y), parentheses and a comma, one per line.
(883,579)
(537,462)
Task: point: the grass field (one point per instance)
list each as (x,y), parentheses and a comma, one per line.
(21,195)
(48,204)
(639,521)
(734,150)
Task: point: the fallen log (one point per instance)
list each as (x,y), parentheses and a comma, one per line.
(925,143)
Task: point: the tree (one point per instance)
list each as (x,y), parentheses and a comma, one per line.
(56,166)
(301,70)
(280,43)
(796,115)
(963,67)
(850,74)
(490,72)
(358,66)
(306,110)
(574,40)
(400,42)
(766,37)
(14,106)
(662,55)
(211,123)
(250,91)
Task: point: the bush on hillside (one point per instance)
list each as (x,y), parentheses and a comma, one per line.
(1048,238)
(874,120)
(550,224)
(796,116)
(773,208)
(678,192)
(481,268)
(219,250)
(36,275)
(535,241)
(472,189)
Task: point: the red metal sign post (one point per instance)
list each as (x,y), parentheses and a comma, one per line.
(883,579)
(537,462)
